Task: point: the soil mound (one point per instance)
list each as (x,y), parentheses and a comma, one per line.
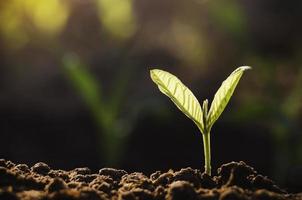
(234,181)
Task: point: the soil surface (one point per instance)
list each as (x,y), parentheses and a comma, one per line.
(234,181)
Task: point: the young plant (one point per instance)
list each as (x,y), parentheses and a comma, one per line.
(185,100)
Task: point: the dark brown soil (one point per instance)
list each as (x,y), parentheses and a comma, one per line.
(234,181)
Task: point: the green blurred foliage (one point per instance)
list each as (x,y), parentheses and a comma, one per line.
(229,16)
(105,108)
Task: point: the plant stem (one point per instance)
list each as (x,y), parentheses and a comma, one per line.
(207,152)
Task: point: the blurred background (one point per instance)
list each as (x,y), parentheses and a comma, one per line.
(75,87)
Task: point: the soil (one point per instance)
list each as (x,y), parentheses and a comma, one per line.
(234,181)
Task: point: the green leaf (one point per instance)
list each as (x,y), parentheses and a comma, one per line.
(182,97)
(224,94)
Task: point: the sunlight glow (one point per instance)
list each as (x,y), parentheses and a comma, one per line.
(117,17)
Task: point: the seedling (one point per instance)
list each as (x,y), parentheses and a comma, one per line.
(185,100)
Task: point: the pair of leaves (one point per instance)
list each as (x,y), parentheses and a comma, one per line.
(185,100)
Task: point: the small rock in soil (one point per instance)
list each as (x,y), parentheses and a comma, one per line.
(41,168)
(56,184)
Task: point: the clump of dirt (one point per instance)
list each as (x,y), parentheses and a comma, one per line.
(234,181)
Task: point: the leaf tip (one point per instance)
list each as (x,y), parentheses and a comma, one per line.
(245,68)
(151,71)
(154,71)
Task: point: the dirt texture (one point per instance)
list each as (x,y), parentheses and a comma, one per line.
(234,181)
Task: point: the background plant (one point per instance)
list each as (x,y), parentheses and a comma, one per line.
(105,108)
